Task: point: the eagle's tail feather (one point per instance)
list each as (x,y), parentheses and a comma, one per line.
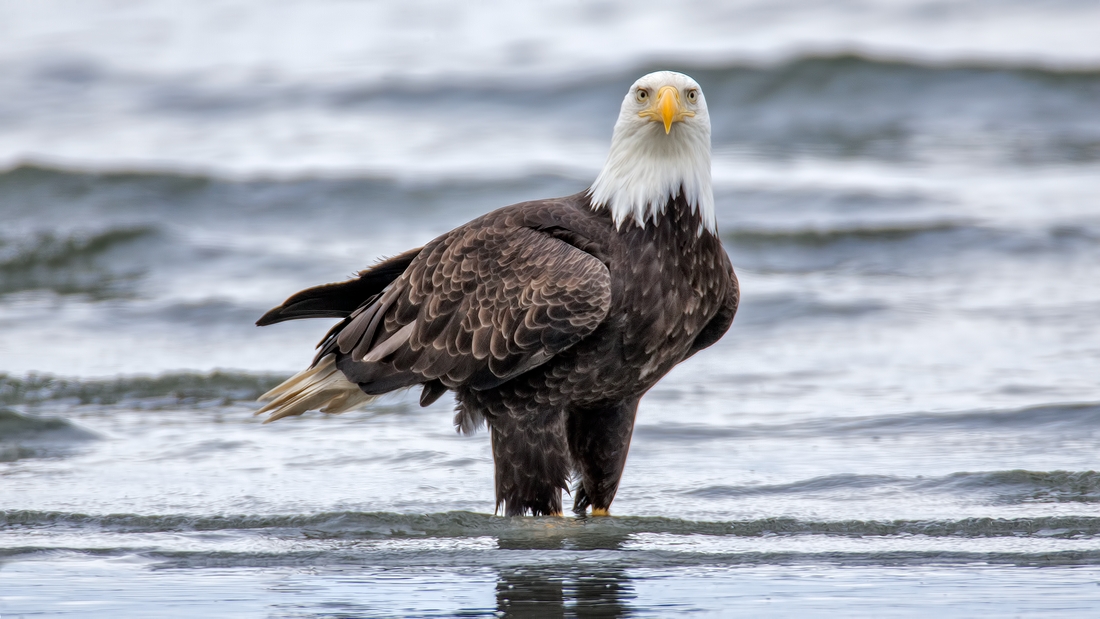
(339,300)
(321,387)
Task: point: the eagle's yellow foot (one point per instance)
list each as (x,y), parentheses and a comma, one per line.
(600,512)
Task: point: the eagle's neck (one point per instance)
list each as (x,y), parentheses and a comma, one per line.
(646,169)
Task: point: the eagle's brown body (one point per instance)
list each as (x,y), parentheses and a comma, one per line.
(547,322)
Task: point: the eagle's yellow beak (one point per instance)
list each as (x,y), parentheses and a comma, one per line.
(666,108)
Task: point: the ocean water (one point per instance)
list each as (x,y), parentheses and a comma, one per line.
(904,419)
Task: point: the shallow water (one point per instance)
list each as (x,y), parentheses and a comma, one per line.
(902,421)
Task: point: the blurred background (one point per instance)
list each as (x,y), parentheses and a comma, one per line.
(909,191)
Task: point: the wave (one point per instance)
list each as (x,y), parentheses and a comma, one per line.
(1006,487)
(1069,417)
(77,176)
(832,105)
(542,88)
(200,390)
(17,426)
(852,105)
(103,262)
(339,525)
(1019,486)
(130,189)
(72,264)
(31,436)
(901,247)
(821,66)
(539,560)
(817,237)
(803,71)
(168,390)
(781,310)
(876,248)
(809,486)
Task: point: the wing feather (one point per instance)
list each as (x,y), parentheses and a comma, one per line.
(341,299)
(480,305)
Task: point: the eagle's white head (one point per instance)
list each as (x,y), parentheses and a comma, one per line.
(661,146)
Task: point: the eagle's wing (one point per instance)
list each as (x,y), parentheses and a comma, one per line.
(339,300)
(717,327)
(476,307)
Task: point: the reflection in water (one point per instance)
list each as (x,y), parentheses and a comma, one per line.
(585,591)
(531,593)
(601,593)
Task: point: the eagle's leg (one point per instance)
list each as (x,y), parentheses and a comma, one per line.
(531,459)
(599,438)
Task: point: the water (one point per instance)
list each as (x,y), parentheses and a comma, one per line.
(902,421)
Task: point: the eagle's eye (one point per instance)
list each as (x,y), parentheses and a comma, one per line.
(692,95)
(642,95)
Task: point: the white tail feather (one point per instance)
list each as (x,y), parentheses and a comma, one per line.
(321,387)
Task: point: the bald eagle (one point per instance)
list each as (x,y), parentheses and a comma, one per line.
(549,319)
